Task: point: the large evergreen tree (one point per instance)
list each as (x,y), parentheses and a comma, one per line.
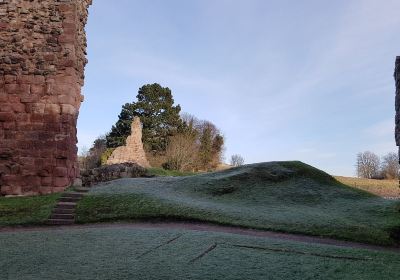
(159,116)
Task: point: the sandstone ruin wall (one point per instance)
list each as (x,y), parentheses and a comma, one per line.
(133,151)
(42,60)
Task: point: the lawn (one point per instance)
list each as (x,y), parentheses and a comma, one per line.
(384,188)
(125,253)
(280,196)
(26,210)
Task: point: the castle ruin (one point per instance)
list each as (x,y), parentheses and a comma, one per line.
(133,151)
(42,60)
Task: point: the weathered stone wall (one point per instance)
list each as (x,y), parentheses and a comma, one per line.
(107,173)
(133,150)
(42,59)
(397,79)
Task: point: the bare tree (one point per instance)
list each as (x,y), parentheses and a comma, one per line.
(390,166)
(368,165)
(209,140)
(181,153)
(82,157)
(91,158)
(237,160)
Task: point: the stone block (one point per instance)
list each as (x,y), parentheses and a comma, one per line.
(52,109)
(32,181)
(31,79)
(11,190)
(67,99)
(10,79)
(17,88)
(61,172)
(14,98)
(6,107)
(9,126)
(61,182)
(3,97)
(7,116)
(11,180)
(35,108)
(18,107)
(44,173)
(45,189)
(29,98)
(68,109)
(38,89)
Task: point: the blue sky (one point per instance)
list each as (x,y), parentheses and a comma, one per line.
(307,80)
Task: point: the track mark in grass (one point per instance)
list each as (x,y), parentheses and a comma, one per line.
(159,246)
(209,249)
(298,252)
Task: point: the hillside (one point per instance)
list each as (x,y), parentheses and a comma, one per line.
(280,196)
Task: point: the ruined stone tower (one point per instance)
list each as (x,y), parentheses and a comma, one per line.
(42,59)
(397,79)
(133,150)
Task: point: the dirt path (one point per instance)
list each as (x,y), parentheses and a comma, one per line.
(204,227)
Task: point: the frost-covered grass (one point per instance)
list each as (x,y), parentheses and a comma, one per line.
(124,253)
(279,196)
(26,210)
(154,171)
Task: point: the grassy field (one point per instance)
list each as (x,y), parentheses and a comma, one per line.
(124,253)
(26,210)
(383,188)
(280,196)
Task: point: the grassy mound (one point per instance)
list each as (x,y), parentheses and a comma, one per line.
(280,196)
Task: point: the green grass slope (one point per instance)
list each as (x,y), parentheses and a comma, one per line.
(26,210)
(279,196)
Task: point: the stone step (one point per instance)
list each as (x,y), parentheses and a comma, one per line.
(56,216)
(66,205)
(73,194)
(63,211)
(81,189)
(60,222)
(69,199)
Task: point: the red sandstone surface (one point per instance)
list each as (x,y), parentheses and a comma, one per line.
(42,59)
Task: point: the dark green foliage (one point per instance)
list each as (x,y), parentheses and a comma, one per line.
(106,154)
(205,150)
(159,116)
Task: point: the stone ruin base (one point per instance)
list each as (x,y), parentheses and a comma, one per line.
(112,172)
